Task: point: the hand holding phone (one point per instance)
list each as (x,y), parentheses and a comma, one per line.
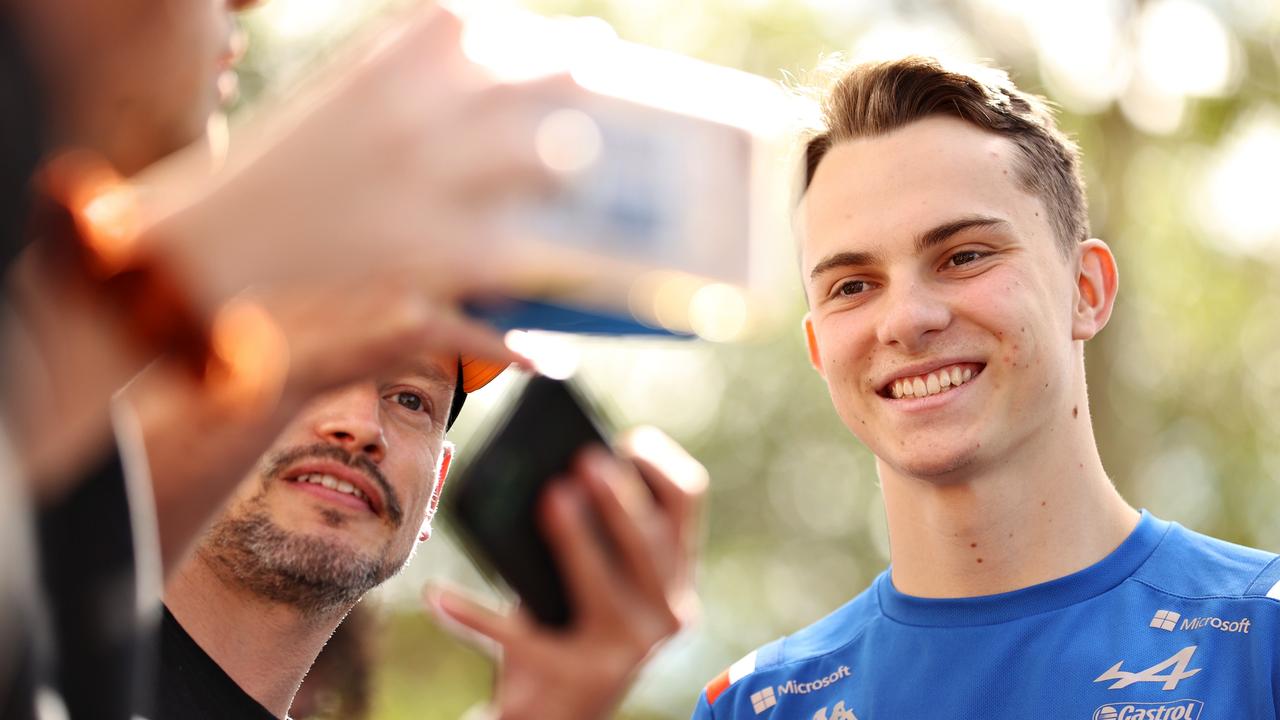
(494,501)
(627,596)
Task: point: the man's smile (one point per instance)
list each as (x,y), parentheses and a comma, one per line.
(338,483)
(343,478)
(921,382)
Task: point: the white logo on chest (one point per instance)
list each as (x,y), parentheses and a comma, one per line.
(1176,665)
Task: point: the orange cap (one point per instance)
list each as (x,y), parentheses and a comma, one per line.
(476,373)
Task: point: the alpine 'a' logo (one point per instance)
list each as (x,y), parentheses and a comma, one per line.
(1176,665)
(838,712)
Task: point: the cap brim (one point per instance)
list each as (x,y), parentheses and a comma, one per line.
(477,373)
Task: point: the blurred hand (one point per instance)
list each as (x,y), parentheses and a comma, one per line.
(396,160)
(350,330)
(626,600)
(388,171)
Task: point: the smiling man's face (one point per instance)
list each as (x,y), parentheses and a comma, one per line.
(337,503)
(926,263)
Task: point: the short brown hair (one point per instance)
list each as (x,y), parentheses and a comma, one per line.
(876,98)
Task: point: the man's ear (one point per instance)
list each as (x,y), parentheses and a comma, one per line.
(1097,281)
(447,451)
(811,343)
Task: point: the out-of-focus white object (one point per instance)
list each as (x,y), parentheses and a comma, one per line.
(674,176)
(1185,49)
(1237,188)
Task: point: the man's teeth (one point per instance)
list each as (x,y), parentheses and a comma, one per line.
(332,483)
(933,383)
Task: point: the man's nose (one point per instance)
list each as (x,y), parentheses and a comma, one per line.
(351,419)
(911,314)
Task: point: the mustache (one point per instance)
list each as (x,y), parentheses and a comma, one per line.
(276,464)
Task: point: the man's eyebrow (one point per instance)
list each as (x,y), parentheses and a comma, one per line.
(928,239)
(940,233)
(429,371)
(844,259)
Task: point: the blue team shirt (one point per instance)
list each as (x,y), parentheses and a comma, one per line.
(1172,625)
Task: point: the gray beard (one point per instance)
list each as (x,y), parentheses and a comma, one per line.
(316,576)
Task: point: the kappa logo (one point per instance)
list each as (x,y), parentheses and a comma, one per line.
(1176,665)
(1167,620)
(1174,710)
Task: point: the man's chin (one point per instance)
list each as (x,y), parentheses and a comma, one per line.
(314,572)
(936,465)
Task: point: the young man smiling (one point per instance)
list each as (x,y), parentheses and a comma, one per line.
(952,283)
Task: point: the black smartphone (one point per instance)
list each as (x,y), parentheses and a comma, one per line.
(493,501)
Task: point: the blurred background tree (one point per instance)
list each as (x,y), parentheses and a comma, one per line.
(1176,104)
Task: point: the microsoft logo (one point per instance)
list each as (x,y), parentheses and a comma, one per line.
(1165,620)
(763,700)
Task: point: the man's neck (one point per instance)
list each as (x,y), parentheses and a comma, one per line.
(265,647)
(1043,514)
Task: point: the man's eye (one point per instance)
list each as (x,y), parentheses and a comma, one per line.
(412,401)
(964,257)
(851,287)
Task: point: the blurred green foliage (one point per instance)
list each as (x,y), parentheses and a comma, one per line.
(1184,383)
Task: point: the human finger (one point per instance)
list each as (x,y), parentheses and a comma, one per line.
(576,545)
(471,621)
(455,333)
(626,510)
(425,43)
(679,484)
(678,481)
(376,325)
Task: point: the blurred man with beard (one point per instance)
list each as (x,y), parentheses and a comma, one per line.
(337,505)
